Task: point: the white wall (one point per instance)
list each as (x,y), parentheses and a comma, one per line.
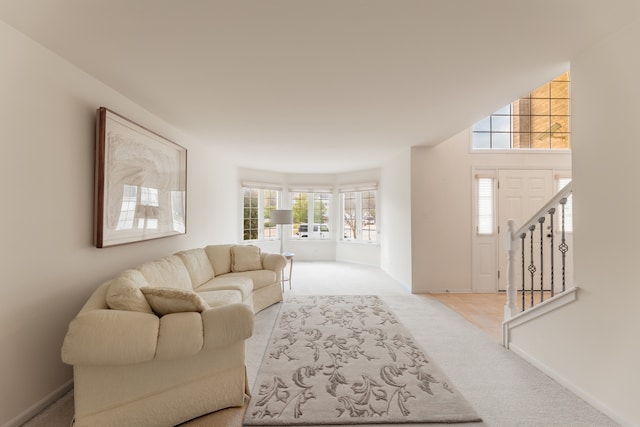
(442,207)
(594,343)
(395,218)
(49,266)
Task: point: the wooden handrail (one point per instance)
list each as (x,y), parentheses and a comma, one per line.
(555,201)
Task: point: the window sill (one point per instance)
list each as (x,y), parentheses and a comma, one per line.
(520,151)
(360,242)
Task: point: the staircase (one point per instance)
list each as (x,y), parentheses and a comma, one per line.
(539,263)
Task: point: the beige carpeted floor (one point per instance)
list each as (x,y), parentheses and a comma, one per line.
(505,390)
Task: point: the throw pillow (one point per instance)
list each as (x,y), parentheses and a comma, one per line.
(245,258)
(171,300)
(124,292)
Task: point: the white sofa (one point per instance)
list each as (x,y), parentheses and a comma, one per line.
(164,342)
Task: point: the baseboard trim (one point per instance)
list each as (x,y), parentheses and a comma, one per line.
(587,397)
(403,284)
(37,407)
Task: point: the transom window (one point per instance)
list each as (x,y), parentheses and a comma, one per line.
(539,120)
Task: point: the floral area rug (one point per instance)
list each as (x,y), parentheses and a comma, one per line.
(348,360)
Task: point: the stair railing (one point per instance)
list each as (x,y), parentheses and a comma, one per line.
(529,241)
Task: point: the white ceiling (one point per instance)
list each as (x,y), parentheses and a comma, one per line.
(321,86)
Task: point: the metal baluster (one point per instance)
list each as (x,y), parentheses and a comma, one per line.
(532,267)
(552,212)
(563,248)
(541,221)
(522,237)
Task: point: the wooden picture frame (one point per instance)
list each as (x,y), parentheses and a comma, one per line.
(140,183)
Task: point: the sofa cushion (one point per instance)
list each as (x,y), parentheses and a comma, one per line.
(168,272)
(198,266)
(240,283)
(220,258)
(260,278)
(170,300)
(245,258)
(124,292)
(221,297)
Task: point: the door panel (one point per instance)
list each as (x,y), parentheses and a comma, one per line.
(521,193)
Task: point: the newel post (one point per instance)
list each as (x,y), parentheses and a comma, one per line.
(511,244)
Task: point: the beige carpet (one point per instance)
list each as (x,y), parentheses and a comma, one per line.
(348,360)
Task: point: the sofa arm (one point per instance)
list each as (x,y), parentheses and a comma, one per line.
(227,324)
(273,262)
(110,337)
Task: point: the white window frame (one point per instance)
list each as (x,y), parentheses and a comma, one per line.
(311,193)
(358,215)
(261,188)
(506,113)
(485,209)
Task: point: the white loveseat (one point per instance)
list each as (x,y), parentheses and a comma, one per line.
(165,342)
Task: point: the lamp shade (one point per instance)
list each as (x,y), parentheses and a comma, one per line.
(281,216)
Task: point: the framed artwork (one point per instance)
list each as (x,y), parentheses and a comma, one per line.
(140,183)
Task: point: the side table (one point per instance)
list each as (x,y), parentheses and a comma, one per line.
(289,256)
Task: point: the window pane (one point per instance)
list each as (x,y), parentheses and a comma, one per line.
(559,123)
(500,123)
(541,141)
(481,140)
(270,203)
(561,140)
(250,222)
(349,215)
(540,126)
(485,206)
(522,107)
(521,124)
(501,140)
(559,107)
(506,110)
(300,207)
(321,214)
(521,140)
(540,107)
(483,125)
(541,92)
(559,89)
(369,222)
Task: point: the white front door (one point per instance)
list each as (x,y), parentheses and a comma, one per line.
(521,193)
